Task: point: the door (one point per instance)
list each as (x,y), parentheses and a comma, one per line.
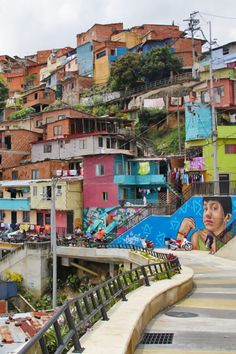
(70,222)
(13,218)
(224,183)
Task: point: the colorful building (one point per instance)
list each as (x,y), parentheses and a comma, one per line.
(199,147)
(104,55)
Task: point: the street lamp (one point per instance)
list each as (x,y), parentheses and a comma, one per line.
(54,242)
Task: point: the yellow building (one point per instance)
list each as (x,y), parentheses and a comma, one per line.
(131,39)
(104,55)
(68,203)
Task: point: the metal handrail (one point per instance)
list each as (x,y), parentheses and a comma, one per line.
(86,309)
(157,83)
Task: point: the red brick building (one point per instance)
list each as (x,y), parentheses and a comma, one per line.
(99,32)
(15,146)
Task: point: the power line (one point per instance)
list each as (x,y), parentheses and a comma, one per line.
(218,16)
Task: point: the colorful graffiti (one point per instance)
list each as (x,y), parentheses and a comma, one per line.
(193,220)
(106,219)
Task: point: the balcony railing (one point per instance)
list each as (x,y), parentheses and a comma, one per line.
(15,204)
(140,180)
(214,188)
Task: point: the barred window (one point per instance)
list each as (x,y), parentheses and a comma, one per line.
(230,148)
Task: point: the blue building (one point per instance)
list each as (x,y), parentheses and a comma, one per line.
(198,121)
(85,59)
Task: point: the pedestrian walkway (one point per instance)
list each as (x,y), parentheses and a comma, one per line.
(205,321)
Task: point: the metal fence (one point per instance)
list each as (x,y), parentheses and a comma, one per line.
(76,316)
(214,188)
(158,83)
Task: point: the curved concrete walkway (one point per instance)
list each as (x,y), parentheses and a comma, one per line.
(128,319)
(205,321)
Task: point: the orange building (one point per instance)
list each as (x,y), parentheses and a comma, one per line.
(99,32)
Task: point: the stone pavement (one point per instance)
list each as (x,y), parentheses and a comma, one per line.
(205,321)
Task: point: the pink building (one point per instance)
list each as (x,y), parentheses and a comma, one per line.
(99,188)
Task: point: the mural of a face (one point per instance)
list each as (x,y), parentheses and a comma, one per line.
(214,217)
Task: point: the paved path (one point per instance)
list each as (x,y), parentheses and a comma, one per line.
(204,322)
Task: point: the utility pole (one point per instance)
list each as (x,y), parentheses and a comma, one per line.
(192,28)
(213,118)
(178,120)
(54,242)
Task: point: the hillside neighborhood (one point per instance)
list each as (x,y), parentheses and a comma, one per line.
(127,124)
(43,134)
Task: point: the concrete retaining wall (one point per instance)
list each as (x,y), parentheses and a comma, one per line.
(31,261)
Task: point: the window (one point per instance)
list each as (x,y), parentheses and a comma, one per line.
(61,116)
(108,141)
(8,142)
(35,191)
(100,142)
(49,119)
(100,170)
(47,192)
(119,169)
(0,158)
(40,219)
(38,123)
(47,148)
(24,99)
(35,96)
(59,190)
(101,54)
(1,194)
(2,214)
(104,196)
(129,170)
(125,194)
(230,148)
(26,216)
(47,219)
(57,130)
(34,174)
(113,143)
(225,51)
(82,144)
(14,175)
(113,52)
(219,90)
(205,98)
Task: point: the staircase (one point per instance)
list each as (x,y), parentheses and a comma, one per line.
(177,193)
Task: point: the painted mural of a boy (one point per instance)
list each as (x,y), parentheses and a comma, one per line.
(217,212)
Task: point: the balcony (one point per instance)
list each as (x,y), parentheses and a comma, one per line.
(15,204)
(140,180)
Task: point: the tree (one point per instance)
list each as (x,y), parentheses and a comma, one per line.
(125,72)
(132,69)
(3,92)
(159,63)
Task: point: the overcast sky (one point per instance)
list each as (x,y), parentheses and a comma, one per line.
(30,25)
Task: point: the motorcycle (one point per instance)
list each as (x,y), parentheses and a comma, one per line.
(180,244)
(147,244)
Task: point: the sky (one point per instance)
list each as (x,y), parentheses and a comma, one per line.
(30,25)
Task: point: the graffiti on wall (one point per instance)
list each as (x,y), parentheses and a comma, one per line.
(193,220)
(108,218)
